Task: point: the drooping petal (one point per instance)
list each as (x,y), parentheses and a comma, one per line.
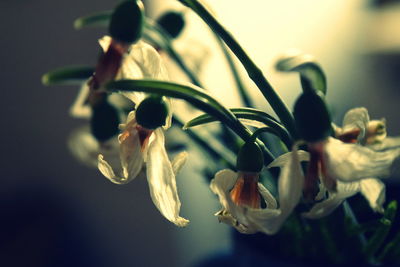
(350,162)
(356,118)
(327,206)
(374,192)
(130,153)
(290,187)
(222,183)
(267,196)
(161,179)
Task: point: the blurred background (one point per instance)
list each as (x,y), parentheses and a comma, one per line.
(57,212)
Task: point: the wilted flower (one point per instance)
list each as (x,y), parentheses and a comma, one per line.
(240,195)
(355,164)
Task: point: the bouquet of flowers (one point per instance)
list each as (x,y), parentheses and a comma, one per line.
(288,186)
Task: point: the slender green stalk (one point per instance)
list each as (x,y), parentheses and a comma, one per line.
(212,148)
(349,212)
(167,46)
(252,70)
(239,84)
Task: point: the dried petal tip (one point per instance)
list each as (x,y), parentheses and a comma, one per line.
(245,192)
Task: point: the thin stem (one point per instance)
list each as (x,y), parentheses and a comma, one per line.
(211,148)
(172,53)
(239,84)
(349,212)
(252,70)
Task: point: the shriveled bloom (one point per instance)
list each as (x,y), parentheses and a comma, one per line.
(240,195)
(354,163)
(139,146)
(332,160)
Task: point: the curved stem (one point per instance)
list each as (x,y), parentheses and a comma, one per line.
(239,84)
(171,51)
(252,70)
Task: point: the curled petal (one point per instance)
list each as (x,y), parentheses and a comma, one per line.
(268,197)
(323,208)
(350,162)
(222,183)
(356,118)
(130,153)
(161,179)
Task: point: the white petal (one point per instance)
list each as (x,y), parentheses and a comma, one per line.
(291,180)
(130,156)
(79,108)
(323,208)
(105,42)
(386,144)
(161,179)
(374,192)
(130,151)
(149,61)
(268,197)
(179,161)
(349,162)
(327,206)
(283,159)
(356,118)
(222,183)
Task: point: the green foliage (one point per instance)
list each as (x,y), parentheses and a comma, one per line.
(73,75)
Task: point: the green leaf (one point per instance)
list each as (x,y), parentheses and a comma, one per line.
(192,94)
(249,114)
(195,96)
(312,76)
(100,19)
(68,75)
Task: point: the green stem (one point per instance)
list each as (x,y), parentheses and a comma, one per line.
(167,46)
(239,84)
(349,213)
(252,70)
(212,148)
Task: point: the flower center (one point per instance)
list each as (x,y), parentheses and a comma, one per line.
(144,136)
(349,136)
(245,192)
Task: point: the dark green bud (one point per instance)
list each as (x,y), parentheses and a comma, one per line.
(172,22)
(312,117)
(126,22)
(152,113)
(250,158)
(104,122)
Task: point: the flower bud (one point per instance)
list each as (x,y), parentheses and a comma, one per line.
(312,117)
(250,158)
(127,21)
(104,122)
(152,112)
(172,22)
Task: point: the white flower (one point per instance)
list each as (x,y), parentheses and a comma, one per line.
(125,157)
(354,164)
(248,217)
(138,146)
